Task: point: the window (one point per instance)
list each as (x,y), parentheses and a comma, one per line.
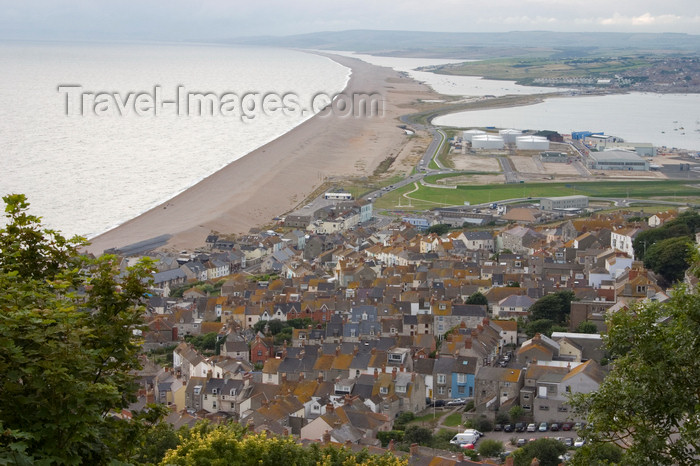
(526,397)
(441,379)
(441,390)
(568,389)
(527,407)
(260,353)
(400,389)
(544,408)
(461,389)
(383,390)
(461,378)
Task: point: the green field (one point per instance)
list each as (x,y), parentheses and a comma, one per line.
(527,69)
(428,197)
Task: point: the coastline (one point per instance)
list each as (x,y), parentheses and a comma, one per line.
(274,178)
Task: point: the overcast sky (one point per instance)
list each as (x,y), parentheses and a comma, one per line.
(219,19)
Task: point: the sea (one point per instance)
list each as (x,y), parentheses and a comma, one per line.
(87,168)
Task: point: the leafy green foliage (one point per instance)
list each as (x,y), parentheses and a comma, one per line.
(228,446)
(555,307)
(477,298)
(67,343)
(670,258)
(516,413)
(403,419)
(546,450)
(418,434)
(490,448)
(685,225)
(386,436)
(586,326)
(597,454)
(203,343)
(439,229)
(481,423)
(649,402)
(282,330)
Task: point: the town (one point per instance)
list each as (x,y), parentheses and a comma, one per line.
(334,335)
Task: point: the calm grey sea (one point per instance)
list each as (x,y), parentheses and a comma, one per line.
(87,173)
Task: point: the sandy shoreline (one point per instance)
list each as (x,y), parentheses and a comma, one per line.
(274,178)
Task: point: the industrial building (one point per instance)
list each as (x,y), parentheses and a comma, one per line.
(509,135)
(532,143)
(487,141)
(641,148)
(617,160)
(564,203)
(470,133)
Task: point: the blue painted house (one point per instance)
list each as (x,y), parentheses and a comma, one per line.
(463,373)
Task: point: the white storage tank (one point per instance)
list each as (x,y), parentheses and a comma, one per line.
(468,134)
(509,135)
(532,143)
(487,141)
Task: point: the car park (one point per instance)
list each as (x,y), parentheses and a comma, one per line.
(554,427)
(544,427)
(532,427)
(566,426)
(497,427)
(508,428)
(519,426)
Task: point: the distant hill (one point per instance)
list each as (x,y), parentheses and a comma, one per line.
(454,44)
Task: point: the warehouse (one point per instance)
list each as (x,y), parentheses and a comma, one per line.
(487,141)
(564,203)
(617,160)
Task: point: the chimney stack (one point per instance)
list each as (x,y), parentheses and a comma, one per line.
(391,446)
(393,374)
(414,449)
(329,408)
(326,438)
(376,374)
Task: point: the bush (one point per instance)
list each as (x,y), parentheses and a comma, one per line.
(490,447)
(403,419)
(469,406)
(386,437)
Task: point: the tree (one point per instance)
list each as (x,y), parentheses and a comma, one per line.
(67,343)
(546,450)
(516,413)
(595,454)
(490,448)
(555,307)
(477,298)
(227,446)
(418,434)
(439,229)
(669,258)
(543,326)
(586,326)
(649,403)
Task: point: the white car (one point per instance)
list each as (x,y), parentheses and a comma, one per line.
(579,442)
(532,427)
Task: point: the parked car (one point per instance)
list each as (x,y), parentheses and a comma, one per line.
(520,426)
(532,427)
(579,442)
(497,427)
(457,402)
(544,427)
(508,428)
(521,442)
(566,426)
(569,442)
(554,427)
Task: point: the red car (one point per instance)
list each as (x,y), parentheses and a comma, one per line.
(566,426)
